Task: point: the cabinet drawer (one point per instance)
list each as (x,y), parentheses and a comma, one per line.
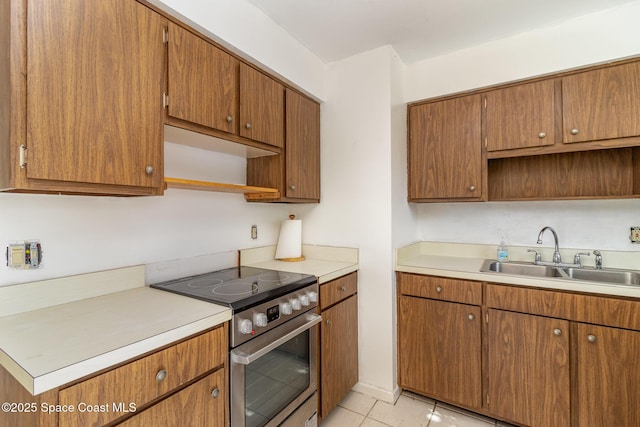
(202,403)
(338,289)
(141,381)
(532,301)
(618,312)
(462,291)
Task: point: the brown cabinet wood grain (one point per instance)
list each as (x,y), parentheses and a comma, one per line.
(528,369)
(203,82)
(296,172)
(601,104)
(92,122)
(608,376)
(445,157)
(201,404)
(261,107)
(442,288)
(338,353)
(521,116)
(439,350)
(337,290)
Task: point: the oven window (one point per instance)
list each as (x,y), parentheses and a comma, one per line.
(276,379)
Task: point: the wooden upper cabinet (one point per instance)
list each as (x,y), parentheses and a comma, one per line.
(95,76)
(520,116)
(601,104)
(302,147)
(261,107)
(445,151)
(203,82)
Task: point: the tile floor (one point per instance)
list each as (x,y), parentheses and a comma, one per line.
(410,410)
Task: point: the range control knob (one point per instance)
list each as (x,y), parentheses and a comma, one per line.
(246,327)
(286,309)
(313,296)
(295,303)
(304,299)
(260,319)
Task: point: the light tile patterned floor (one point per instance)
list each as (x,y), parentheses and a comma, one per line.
(410,410)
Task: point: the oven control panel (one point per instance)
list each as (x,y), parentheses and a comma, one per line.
(266,316)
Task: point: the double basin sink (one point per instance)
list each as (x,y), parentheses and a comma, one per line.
(611,276)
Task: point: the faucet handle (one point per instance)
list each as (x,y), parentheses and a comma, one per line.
(576,258)
(538,257)
(598,260)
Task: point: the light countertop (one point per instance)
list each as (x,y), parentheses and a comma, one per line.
(464,261)
(324,262)
(44,347)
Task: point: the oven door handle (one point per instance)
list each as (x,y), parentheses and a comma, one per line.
(240,357)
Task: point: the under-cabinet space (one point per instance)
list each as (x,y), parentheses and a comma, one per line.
(612,173)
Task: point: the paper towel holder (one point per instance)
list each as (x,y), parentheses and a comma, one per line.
(289,248)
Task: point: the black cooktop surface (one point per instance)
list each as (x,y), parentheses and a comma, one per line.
(238,287)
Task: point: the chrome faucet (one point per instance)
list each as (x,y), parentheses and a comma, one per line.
(556,254)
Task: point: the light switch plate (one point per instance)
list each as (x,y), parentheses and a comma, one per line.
(635,235)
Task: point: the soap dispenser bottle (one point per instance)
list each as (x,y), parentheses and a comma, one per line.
(503,251)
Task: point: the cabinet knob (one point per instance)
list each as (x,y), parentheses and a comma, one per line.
(292,187)
(248,125)
(472,188)
(229,119)
(439,289)
(161,375)
(471,316)
(328,322)
(574,131)
(342,288)
(591,338)
(215,392)
(149,170)
(557,332)
(542,135)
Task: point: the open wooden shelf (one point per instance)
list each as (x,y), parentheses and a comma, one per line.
(189,184)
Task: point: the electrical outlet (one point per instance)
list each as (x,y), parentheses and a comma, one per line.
(24,255)
(635,234)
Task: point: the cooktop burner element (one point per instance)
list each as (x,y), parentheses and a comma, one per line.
(239,287)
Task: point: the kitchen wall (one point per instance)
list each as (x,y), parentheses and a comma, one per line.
(594,38)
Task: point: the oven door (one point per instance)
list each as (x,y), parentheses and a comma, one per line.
(274,373)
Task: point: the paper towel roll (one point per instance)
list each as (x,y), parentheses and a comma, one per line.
(290,240)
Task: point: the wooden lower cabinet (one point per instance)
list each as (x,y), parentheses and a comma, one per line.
(607,364)
(528,369)
(201,404)
(338,341)
(441,350)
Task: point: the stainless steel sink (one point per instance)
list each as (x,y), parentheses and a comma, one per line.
(520,269)
(621,277)
(614,276)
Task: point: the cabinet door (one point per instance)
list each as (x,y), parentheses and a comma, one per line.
(528,369)
(520,116)
(439,350)
(608,371)
(445,160)
(338,353)
(95,78)
(302,147)
(203,82)
(602,104)
(200,404)
(261,107)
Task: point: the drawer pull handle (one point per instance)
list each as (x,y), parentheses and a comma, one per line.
(215,392)
(229,119)
(557,332)
(342,288)
(328,322)
(471,317)
(161,375)
(591,338)
(439,289)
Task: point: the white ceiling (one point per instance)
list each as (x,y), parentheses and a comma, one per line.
(417,29)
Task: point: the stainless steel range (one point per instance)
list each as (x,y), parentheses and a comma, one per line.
(273,339)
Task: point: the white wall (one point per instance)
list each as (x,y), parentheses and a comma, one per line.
(602,224)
